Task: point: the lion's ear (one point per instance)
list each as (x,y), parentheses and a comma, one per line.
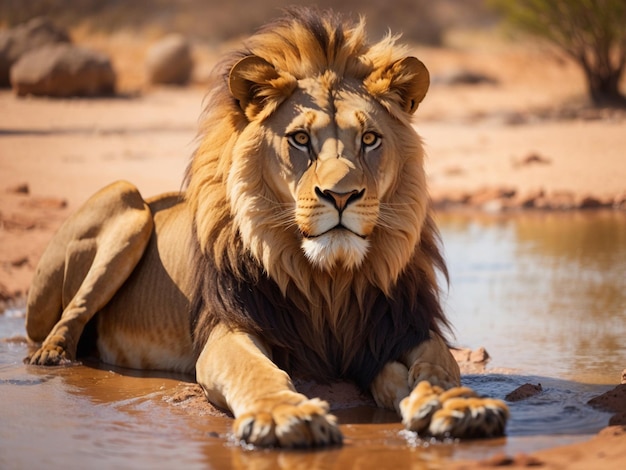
(405,82)
(255,83)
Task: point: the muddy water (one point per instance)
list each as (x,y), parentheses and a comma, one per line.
(545,294)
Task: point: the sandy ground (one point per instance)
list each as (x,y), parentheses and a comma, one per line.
(526,141)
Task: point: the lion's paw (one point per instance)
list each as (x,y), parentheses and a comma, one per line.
(307,424)
(50,354)
(419,407)
(468,418)
(456,413)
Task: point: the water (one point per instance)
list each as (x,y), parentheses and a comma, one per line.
(545,294)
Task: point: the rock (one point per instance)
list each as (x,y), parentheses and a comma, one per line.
(614,400)
(16,42)
(523,392)
(471,361)
(476,356)
(169,61)
(63,70)
(479,356)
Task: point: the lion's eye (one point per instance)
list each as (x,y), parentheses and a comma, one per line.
(370,141)
(300,140)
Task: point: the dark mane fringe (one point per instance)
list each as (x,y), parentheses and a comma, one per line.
(388,327)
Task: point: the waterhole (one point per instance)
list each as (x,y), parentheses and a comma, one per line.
(545,294)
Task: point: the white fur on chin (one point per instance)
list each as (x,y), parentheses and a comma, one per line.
(336,248)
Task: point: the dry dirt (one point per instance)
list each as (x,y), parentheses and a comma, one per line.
(525,141)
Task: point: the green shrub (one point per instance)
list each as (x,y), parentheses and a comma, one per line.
(592,32)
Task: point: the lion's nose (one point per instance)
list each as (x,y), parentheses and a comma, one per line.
(339,200)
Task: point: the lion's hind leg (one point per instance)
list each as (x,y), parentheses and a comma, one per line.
(89,258)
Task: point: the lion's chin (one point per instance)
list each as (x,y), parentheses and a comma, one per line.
(338,248)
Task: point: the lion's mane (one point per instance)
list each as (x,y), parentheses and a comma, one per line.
(251,274)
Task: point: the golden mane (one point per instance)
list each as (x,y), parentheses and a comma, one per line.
(403,255)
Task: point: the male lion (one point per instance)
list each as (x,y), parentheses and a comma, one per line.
(303,245)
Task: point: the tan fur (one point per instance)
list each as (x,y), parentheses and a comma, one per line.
(454,413)
(307,128)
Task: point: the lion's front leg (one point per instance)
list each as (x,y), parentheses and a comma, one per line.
(425,390)
(236,372)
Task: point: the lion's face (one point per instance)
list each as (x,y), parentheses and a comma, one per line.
(320,159)
(330,167)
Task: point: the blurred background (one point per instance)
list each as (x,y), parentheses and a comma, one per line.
(590,35)
(421,21)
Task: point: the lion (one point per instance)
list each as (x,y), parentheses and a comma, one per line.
(302,246)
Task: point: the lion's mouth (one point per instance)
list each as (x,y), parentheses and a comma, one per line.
(337,228)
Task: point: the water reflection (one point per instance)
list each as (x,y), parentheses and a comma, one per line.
(545,293)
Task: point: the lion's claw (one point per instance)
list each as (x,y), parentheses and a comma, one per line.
(307,424)
(457,413)
(49,355)
(256,429)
